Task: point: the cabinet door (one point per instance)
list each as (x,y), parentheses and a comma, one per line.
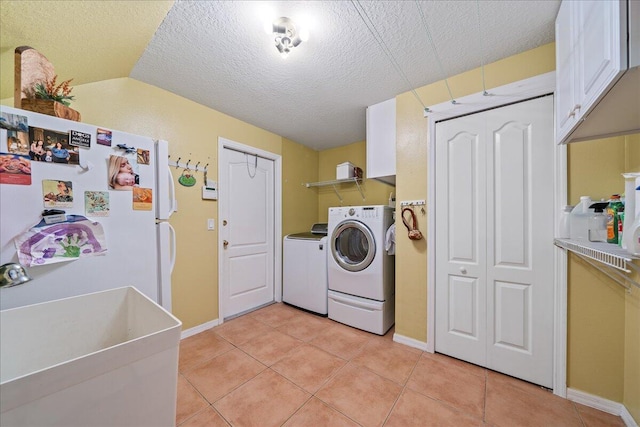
(566,75)
(381,141)
(602,49)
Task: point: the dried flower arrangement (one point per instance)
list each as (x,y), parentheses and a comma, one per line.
(49,90)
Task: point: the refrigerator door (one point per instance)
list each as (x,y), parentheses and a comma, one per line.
(166,262)
(130,235)
(165,188)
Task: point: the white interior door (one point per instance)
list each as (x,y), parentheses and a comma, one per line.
(461,239)
(494,222)
(247,231)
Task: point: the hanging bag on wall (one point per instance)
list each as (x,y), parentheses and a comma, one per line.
(411,224)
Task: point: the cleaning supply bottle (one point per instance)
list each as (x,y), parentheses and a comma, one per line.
(598,223)
(621,226)
(579,220)
(612,218)
(564,230)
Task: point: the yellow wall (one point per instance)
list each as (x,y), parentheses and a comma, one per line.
(411,178)
(632,352)
(603,355)
(375,192)
(192,131)
(632,309)
(299,204)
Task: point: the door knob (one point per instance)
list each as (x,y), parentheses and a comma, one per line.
(225,243)
(463,270)
(224,222)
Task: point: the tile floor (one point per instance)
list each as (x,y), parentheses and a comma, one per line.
(279,366)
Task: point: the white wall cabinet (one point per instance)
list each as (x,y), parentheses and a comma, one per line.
(381,141)
(591,58)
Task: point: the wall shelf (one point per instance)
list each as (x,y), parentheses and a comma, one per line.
(336,182)
(610,259)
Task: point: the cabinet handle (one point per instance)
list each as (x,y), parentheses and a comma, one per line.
(463,270)
(573,111)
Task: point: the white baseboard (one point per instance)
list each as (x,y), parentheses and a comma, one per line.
(410,342)
(602,404)
(627,418)
(197,329)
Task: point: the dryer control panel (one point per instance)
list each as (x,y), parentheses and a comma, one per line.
(364,212)
(370,211)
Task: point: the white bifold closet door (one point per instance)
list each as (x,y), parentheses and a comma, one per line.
(494,239)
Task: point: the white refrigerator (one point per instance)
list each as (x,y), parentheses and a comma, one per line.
(138,244)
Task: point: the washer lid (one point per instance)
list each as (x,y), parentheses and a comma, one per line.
(305,236)
(320,228)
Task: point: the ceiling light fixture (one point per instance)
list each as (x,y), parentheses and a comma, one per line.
(286,35)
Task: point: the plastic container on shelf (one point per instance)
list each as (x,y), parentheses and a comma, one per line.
(564,227)
(345,170)
(579,220)
(632,238)
(631,209)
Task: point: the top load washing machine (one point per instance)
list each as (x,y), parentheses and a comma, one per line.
(305,269)
(360,272)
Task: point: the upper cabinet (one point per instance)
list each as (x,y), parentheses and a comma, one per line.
(381,141)
(596,86)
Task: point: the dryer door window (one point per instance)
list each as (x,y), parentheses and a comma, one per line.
(353,246)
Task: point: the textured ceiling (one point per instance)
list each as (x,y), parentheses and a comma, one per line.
(216,53)
(88,41)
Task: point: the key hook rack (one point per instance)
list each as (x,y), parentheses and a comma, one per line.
(197,168)
(414,203)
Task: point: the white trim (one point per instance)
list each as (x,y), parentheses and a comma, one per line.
(560,272)
(277,181)
(197,329)
(514,92)
(508,94)
(431,236)
(602,404)
(627,418)
(401,339)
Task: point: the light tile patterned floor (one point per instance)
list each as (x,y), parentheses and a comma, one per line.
(280,366)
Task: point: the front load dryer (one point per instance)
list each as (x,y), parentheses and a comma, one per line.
(360,272)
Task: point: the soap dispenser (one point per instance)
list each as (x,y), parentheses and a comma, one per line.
(598,222)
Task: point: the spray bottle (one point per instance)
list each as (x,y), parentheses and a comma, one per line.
(612,218)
